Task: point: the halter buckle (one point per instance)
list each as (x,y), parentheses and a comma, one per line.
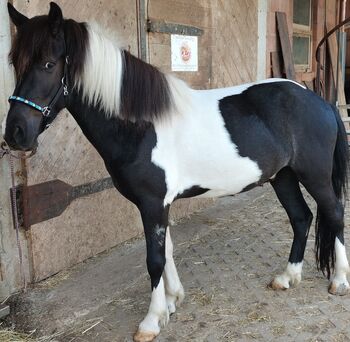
(65,87)
(46,111)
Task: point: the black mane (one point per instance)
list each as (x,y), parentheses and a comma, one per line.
(145,93)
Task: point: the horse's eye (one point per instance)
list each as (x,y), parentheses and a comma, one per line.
(49,65)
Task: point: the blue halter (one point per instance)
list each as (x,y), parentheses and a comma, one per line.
(44,110)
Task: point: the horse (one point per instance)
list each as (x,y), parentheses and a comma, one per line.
(161,140)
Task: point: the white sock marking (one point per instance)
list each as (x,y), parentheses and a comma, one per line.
(158,314)
(341,264)
(291,276)
(173,288)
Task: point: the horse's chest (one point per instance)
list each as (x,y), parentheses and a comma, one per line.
(200,153)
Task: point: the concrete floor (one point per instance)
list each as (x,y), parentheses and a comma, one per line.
(225,255)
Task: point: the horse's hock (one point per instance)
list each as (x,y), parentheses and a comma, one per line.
(97,222)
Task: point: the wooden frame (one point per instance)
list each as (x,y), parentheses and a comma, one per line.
(305,31)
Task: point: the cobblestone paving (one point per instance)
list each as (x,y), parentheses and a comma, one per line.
(225,256)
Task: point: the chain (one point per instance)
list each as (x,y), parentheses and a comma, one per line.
(5,150)
(15,219)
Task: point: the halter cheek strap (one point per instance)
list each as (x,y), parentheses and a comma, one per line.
(46,110)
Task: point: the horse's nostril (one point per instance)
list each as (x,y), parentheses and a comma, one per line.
(18,134)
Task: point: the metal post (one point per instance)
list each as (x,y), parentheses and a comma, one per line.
(141,8)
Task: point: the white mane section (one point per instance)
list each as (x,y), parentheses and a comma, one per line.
(101,79)
(181,95)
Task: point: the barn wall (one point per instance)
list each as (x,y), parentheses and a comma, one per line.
(285,6)
(227,48)
(98,222)
(234,50)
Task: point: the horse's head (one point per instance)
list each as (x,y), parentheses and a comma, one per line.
(39,57)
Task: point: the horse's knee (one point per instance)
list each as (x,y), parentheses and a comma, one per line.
(155,267)
(301,223)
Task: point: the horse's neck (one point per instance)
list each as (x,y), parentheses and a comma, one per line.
(114,139)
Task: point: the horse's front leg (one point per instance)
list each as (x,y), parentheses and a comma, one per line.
(155,221)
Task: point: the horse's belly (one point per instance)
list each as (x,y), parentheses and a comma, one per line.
(218,168)
(196,151)
(221,176)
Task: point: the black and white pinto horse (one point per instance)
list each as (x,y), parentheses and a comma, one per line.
(161,140)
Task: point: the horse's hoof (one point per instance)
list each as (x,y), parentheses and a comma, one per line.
(338,289)
(174,301)
(276,285)
(144,336)
(180,296)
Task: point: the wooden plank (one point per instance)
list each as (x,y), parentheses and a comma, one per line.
(332,46)
(276,64)
(282,28)
(309,85)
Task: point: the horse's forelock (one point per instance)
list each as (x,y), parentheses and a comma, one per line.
(32,42)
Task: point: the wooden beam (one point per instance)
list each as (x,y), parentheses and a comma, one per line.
(276,64)
(282,28)
(332,46)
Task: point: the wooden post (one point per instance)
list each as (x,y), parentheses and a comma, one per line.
(282,27)
(332,46)
(9,265)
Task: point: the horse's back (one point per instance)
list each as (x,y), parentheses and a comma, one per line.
(279,124)
(226,143)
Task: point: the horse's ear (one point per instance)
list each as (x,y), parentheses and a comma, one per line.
(17,18)
(55,18)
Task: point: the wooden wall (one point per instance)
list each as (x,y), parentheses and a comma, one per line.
(227,56)
(98,222)
(271,36)
(234,53)
(228,47)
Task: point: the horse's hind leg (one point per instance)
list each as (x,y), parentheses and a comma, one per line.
(330,248)
(286,186)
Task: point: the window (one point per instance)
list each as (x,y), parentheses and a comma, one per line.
(302,35)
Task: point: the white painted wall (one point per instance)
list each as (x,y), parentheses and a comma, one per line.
(9,264)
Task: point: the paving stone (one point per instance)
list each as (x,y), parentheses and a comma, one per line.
(226,255)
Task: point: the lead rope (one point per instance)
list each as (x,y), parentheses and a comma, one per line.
(15,219)
(5,150)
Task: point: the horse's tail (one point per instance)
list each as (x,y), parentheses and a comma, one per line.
(325,235)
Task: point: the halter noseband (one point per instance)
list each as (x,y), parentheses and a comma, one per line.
(46,110)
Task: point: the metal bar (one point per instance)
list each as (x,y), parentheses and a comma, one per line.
(44,201)
(337,76)
(91,188)
(343,53)
(142,29)
(347,20)
(172,28)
